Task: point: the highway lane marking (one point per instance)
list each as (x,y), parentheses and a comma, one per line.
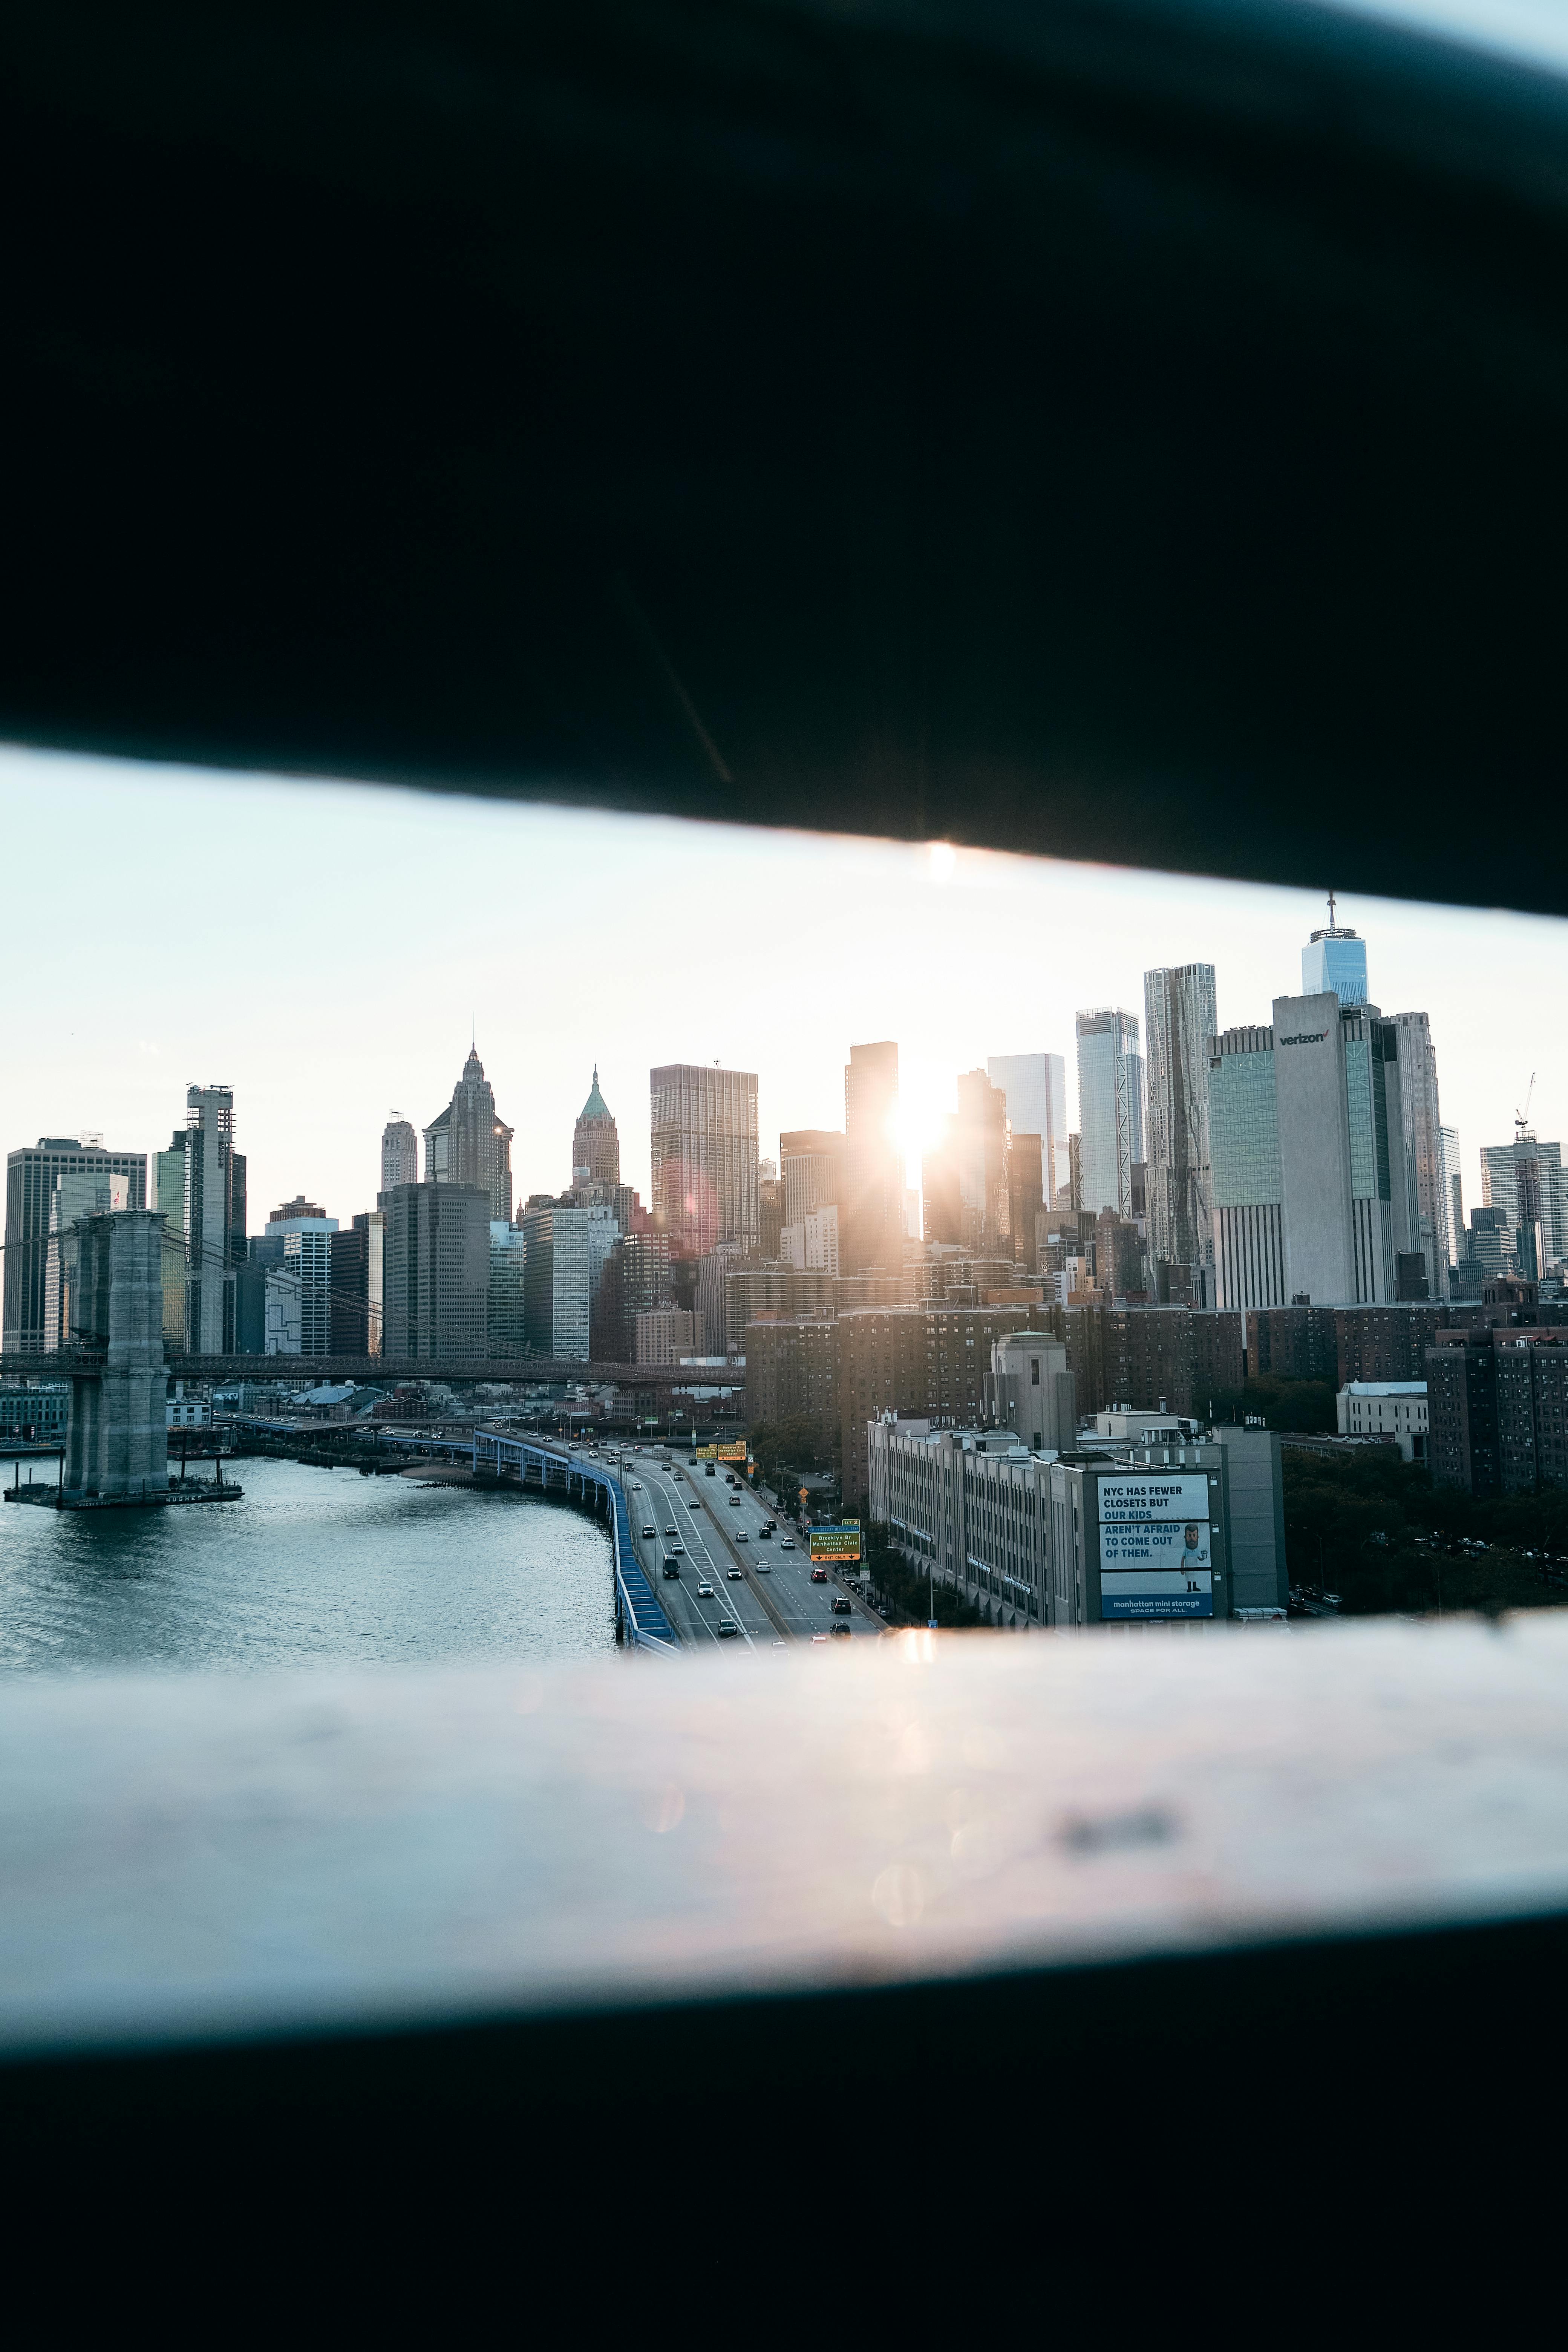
(678,1503)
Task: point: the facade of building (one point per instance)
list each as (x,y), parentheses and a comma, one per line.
(812,1247)
(506,1331)
(930,1359)
(1497,1399)
(633,1281)
(1524,1180)
(308,1260)
(1386,1408)
(871,1207)
(595,1142)
(704,1145)
(792,1375)
(37,1413)
(811,1170)
(1026,1195)
(215,1219)
(1333,963)
(1453,1192)
(1314,1179)
(470,1143)
(665,1335)
(1178,1020)
(559,1280)
(437,1269)
(85,1194)
(1424,1142)
(1035,1086)
(1109,1107)
(770,1216)
(399,1152)
(32,1175)
(1158,1534)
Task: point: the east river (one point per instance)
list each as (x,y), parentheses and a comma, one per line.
(310,1568)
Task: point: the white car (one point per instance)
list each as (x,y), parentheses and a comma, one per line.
(787,1543)
(705,1593)
(735,1575)
(739,1535)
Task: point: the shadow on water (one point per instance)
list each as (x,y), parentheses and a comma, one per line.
(314,1567)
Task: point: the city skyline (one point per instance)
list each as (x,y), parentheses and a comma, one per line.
(112,1046)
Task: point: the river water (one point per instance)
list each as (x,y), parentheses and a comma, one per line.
(310,1568)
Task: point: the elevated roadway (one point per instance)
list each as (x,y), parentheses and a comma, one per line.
(523,1370)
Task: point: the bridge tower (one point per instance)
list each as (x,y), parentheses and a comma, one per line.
(118,1444)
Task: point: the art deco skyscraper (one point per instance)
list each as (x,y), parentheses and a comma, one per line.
(470,1143)
(704,1148)
(1109,1106)
(871,1215)
(595,1142)
(399,1152)
(1180,1019)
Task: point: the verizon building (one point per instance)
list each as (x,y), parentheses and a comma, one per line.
(1313,1175)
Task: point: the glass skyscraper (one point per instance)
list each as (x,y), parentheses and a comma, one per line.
(1333,962)
(703,1125)
(1109,1106)
(1036,1091)
(1179,1012)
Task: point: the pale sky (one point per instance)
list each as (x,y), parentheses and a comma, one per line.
(323,948)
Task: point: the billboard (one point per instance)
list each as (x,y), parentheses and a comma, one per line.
(735,1451)
(1170,1547)
(835,1543)
(1153,1592)
(1143,1496)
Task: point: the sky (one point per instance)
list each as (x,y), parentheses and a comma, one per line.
(327,951)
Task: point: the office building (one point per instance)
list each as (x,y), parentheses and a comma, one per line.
(665,1335)
(770,1216)
(1026,1195)
(792,1378)
(1109,1107)
(1423,1140)
(941,1194)
(32,1177)
(86,1194)
(1453,1192)
(1313,1182)
(358,1285)
(1179,1020)
(1524,1180)
(1036,1087)
(871,1206)
(595,1142)
(505,1304)
(812,1247)
(399,1152)
(307,1258)
(1159,1530)
(215,1220)
(566,1249)
(704,1148)
(811,1170)
(1333,963)
(169,1198)
(470,1143)
(437,1269)
(634,1280)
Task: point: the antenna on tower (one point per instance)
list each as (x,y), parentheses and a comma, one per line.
(1521,1117)
(1331,910)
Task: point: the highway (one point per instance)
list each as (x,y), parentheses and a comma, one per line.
(709,1521)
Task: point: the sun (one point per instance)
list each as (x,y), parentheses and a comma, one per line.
(925,1099)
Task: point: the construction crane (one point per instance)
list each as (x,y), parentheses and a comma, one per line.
(1521,1117)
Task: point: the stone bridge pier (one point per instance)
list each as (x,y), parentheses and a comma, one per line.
(118,1444)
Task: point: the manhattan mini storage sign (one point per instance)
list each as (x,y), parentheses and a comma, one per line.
(1154,1546)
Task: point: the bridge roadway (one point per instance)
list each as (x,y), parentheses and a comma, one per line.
(794,1607)
(523,1370)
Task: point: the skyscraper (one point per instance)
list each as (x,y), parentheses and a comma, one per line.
(871,1213)
(811,1170)
(1180,1017)
(32,1177)
(1036,1088)
(704,1145)
(469,1143)
(595,1142)
(1333,962)
(1453,1192)
(1422,1135)
(399,1152)
(1314,1186)
(1524,1180)
(1109,1106)
(981,1140)
(437,1269)
(215,1220)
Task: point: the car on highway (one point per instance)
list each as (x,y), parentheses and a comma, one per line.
(736,1575)
(705,1591)
(739,1535)
(681,1547)
(637,1485)
(764,1531)
(840,1606)
(734,1502)
(709,1471)
(672,1531)
(819,1637)
(672,1567)
(726,1627)
(819,1576)
(834,1629)
(787,1543)
(650,1531)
